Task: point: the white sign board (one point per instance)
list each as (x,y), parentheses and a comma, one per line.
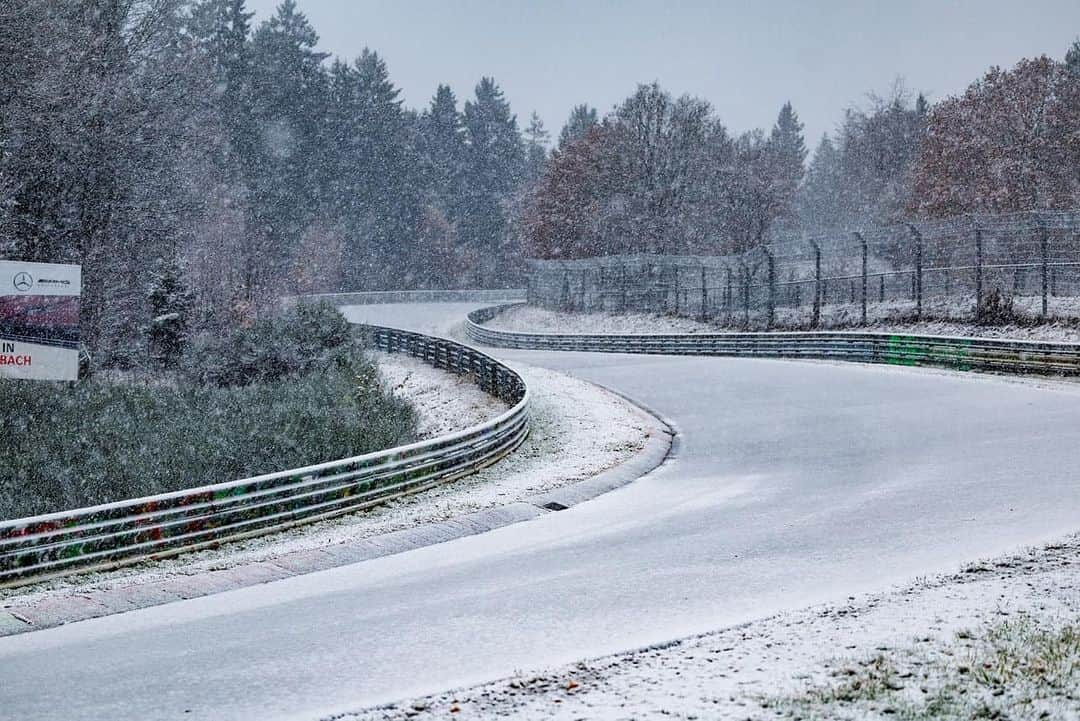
(39,320)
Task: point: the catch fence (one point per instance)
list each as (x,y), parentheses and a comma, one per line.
(993,268)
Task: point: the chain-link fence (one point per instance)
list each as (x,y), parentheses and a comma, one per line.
(990,268)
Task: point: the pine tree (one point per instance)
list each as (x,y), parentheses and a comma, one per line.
(787,146)
(442,149)
(383,218)
(495,158)
(786,164)
(536,153)
(582,118)
(289,95)
(819,200)
(222,30)
(1072,58)
(171,304)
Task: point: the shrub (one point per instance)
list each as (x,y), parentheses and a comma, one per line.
(298,391)
(307,338)
(996,308)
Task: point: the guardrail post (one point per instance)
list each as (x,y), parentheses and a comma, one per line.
(1044,247)
(862,244)
(978,274)
(917,236)
(815,319)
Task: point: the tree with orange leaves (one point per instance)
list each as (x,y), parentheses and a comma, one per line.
(1011,142)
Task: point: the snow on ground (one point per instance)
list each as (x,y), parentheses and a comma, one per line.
(445,402)
(577,431)
(1000,639)
(530,319)
(842,317)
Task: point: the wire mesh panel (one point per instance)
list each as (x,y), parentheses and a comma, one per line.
(992,268)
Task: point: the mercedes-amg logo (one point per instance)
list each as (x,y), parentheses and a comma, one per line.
(23,281)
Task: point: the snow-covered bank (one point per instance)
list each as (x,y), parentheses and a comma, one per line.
(529,319)
(1000,638)
(578,431)
(444,402)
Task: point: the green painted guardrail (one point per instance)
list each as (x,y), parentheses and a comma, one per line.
(977,354)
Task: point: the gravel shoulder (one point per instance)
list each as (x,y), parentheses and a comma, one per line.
(578,431)
(997,639)
(524,318)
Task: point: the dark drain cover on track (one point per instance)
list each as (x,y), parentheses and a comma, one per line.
(553,506)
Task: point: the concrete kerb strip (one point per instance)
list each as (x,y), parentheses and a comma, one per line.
(85,605)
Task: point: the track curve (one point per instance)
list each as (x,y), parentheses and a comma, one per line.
(794,482)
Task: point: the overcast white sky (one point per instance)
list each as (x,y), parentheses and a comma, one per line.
(747,58)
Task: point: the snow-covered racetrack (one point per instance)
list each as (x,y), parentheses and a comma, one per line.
(793,482)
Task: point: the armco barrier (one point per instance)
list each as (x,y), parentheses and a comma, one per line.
(411,296)
(983,354)
(146,528)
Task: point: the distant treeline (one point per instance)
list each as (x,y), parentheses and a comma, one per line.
(181,154)
(663,175)
(199,166)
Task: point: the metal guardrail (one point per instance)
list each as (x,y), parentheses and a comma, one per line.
(981,354)
(125,532)
(412,296)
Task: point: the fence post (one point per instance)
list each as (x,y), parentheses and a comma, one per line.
(862,245)
(816,317)
(917,236)
(600,286)
(978,274)
(622,285)
(675,271)
(1044,243)
(746,293)
(704,294)
(727,291)
(771,310)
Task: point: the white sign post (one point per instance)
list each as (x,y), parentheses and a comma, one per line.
(39,321)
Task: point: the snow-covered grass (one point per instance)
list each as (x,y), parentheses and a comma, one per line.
(1024,666)
(577,431)
(999,639)
(445,402)
(66,446)
(531,319)
(896,318)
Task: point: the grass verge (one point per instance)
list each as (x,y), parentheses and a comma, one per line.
(1020,668)
(271,398)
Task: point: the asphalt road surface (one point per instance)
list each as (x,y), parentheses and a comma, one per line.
(792,483)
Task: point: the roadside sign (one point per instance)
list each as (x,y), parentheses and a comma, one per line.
(39,320)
